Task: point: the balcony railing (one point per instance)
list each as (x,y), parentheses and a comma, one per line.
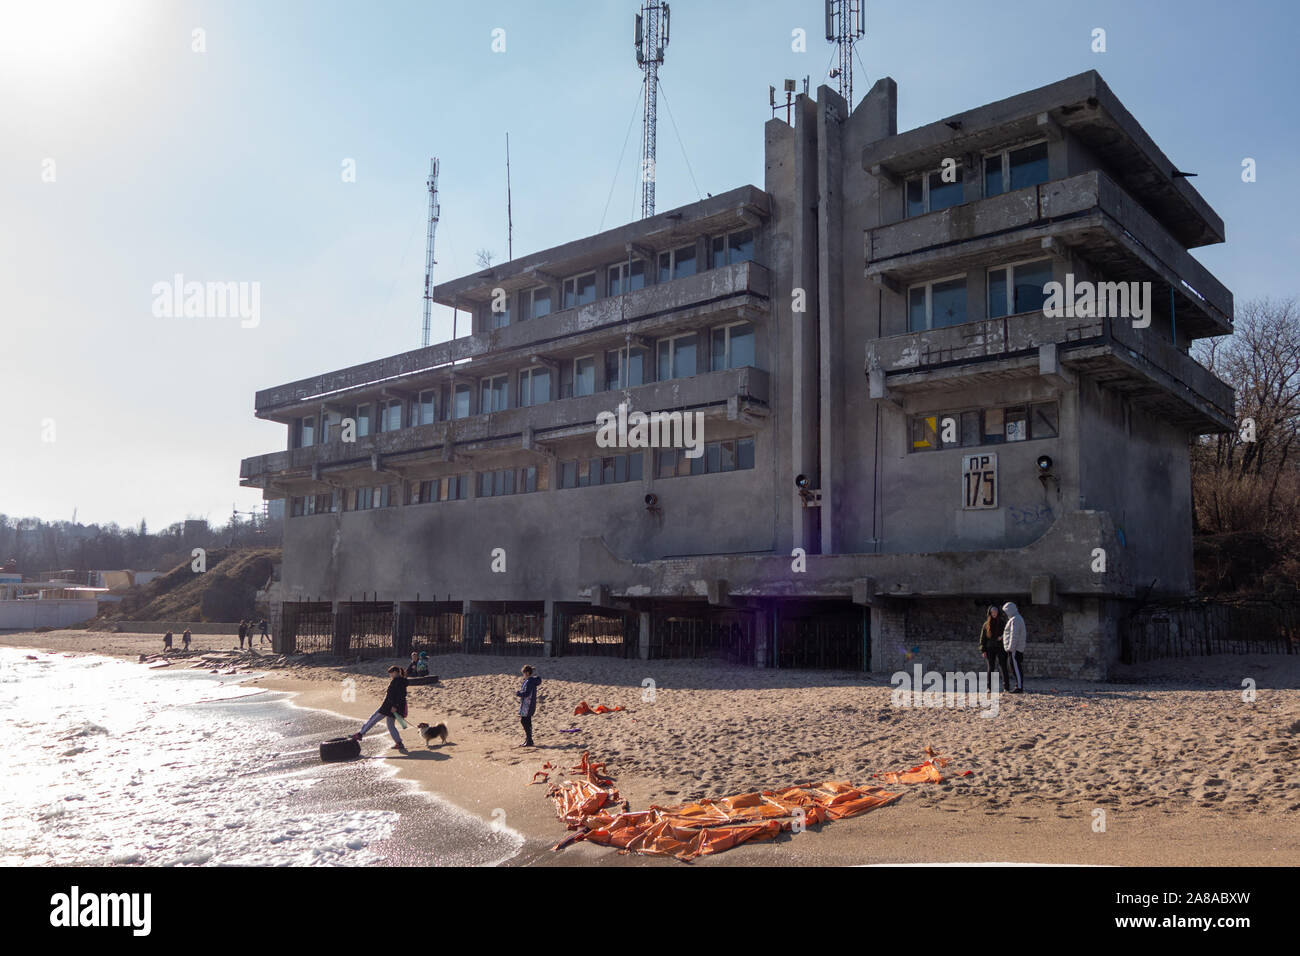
(970,346)
(1087,210)
(675,302)
(698,391)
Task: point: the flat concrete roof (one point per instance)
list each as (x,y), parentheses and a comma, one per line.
(661,231)
(1084,105)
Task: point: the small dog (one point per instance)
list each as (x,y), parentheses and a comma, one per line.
(428,733)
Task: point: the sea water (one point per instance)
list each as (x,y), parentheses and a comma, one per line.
(107,762)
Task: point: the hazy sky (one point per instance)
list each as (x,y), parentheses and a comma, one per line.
(126,157)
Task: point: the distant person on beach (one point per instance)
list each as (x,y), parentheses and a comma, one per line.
(185,639)
(243,630)
(394,706)
(527,694)
(167,641)
(1013,639)
(419,665)
(995,655)
(265,636)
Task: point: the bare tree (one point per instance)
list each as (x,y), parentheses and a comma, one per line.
(1249,480)
(484,258)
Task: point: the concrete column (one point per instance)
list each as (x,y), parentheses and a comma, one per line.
(342,628)
(403,629)
(762,636)
(549,622)
(643,646)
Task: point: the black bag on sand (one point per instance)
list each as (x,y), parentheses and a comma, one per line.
(340,748)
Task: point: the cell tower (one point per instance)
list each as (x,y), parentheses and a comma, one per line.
(428,252)
(846,22)
(651,40)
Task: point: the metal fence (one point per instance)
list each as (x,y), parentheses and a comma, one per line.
(503,633)
(597,635)
(370,629)
(839,642)
(309,627)
(437,632)
(1194,629)
(731,639)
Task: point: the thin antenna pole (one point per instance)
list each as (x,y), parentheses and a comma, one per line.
(510,222)
(429,261)
(651,38)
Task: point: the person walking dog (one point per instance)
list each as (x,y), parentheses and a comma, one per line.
(527,694)
(392,709)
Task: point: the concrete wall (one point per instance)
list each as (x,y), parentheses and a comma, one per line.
(56,612)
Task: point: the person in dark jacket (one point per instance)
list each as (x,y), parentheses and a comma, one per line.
(266,637)
(167,641)
(991,646)
(527,694)
(243,630)
(185,639)
(394,706)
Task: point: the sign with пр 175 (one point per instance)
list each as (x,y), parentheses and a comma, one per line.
(979,480)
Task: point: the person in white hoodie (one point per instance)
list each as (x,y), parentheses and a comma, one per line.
(1013,639)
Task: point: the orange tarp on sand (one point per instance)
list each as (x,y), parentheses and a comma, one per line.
(585,708)
(710,826)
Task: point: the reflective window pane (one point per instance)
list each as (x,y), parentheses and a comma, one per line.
(948,303)
(997,293)
(944,194)
(1030,280)
(1028,166)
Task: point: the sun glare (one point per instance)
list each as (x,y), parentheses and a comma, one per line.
(51,37)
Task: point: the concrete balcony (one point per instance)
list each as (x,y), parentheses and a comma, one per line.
(735,394)
(1088,214)
(1137,361)
(741,290)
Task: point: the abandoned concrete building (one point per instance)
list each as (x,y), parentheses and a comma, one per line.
(898,427)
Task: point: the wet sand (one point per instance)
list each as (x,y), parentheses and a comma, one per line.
(1173,761)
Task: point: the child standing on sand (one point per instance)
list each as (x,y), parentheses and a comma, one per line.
(393,707)
(527,694)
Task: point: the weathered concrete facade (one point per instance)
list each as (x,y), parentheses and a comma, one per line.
(870,319)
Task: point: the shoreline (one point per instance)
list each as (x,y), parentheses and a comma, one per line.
(1143,752)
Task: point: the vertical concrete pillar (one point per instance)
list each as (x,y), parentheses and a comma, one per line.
(762,636)
(403,628)
(549,621)
(643,646)
(342,628)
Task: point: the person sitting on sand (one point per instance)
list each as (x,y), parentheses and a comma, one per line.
(1013,639)
(185,639)
(167,641)
(394,706)
(991,646)
(527,694)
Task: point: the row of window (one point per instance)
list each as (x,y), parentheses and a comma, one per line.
(625,277)
(984,426)
(1004,171)
(719,456)
(1012,289)
(730,346)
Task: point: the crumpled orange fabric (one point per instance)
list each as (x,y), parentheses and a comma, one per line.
(927,772)
(585,708)
(691,830)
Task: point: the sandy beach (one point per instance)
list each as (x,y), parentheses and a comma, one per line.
(1170,757)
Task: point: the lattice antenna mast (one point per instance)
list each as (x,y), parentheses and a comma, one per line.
(846,23)
(651,41)
(429,261)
